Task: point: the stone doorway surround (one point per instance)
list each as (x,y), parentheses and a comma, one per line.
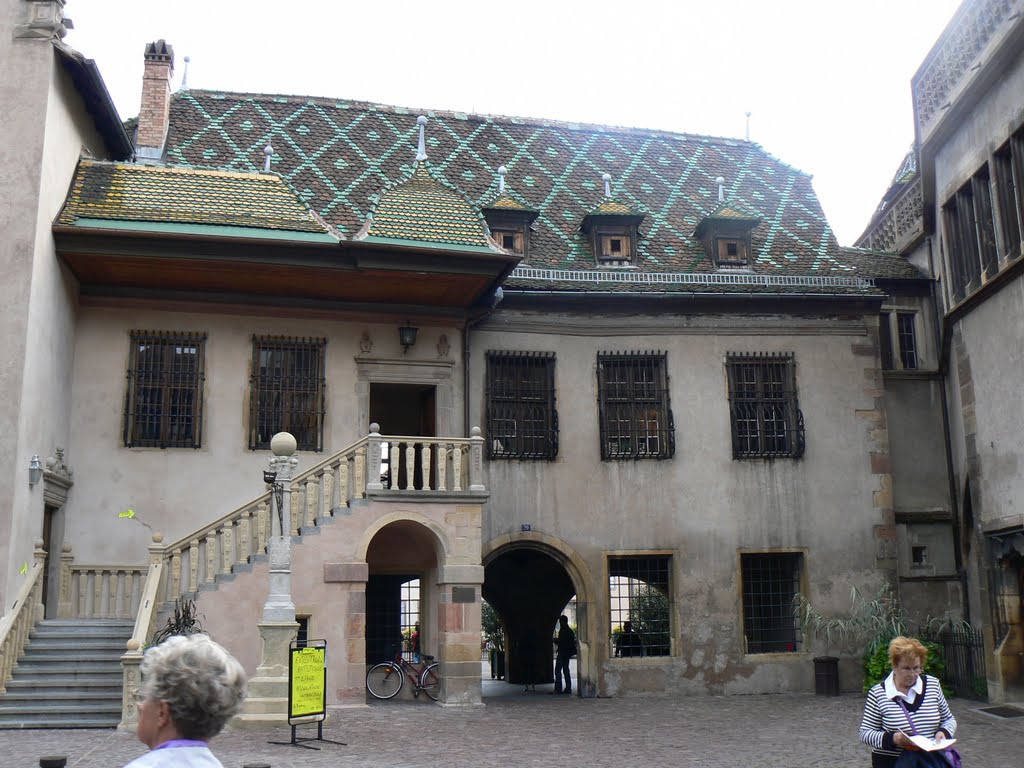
(436,373)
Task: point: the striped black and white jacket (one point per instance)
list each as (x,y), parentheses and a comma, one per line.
(883,716)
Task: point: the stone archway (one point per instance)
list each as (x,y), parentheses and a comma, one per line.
(528,579)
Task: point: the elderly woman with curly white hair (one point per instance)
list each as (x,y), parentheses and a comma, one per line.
(190,688)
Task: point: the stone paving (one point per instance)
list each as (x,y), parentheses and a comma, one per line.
(536,729)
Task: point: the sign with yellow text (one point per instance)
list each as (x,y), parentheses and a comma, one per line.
(307,680)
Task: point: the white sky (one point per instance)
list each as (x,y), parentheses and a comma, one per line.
(827,81)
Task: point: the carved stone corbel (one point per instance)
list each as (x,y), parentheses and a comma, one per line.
(57,479)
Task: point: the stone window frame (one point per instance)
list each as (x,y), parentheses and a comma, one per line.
(666,647)
(893,332)
(785,619)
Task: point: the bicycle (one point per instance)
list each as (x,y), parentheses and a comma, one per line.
(386,679)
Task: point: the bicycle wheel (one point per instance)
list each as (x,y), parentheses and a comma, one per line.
(430,681)
(384,680)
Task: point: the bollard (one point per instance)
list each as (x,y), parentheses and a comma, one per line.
(53,761)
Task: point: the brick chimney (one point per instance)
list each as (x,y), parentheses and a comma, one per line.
(155,110)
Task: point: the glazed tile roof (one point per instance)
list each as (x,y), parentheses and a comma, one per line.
(506,202)
(340,156)
(610,207)
(422,209)
(125,192)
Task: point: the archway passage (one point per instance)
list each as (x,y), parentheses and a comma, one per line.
(529,589)
(402,562)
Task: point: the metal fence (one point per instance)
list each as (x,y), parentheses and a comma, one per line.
(963,650)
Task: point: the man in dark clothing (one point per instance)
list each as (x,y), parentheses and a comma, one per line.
(565,649)
(628,643)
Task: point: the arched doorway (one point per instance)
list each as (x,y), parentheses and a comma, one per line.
(530,582)
(402,560)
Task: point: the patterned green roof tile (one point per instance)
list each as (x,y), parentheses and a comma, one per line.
(423,209)
(668,176)
(176,195)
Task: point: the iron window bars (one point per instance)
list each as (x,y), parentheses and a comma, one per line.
(163,405)
(287,387)
(521,419)
(633,404)
(770,583)
(765,415)
(638,591)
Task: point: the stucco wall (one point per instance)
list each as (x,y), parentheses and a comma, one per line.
(702,505)
(177,490)
(917,444)
(45,121)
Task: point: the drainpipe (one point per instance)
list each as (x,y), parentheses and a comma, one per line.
(948,445)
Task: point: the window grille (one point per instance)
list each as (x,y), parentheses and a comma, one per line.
(287,391)
(639,593)
(521,419)
(638,590)
(633,402)
(907,340)
(766,417)
(164,398)
(770,583)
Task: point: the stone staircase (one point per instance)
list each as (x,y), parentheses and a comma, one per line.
(69,677)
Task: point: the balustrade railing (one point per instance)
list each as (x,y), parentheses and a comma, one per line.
(18,622)
(98,591)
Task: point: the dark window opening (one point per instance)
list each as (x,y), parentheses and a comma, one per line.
(164,398)
(287,389)
(302,634)
(638,588)
(765,415)
(770,583)
(521,419)
(1009,182)
(970,235)
(919,555)
(616,245)
(633,402)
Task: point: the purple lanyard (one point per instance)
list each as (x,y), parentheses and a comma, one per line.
(913,728)
(180,743)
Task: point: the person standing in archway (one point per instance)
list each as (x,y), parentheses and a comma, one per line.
(565,649)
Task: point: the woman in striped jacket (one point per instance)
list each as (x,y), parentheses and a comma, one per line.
(885,720)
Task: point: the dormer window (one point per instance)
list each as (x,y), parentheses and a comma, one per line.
(614,246)
(509,220)
(612,227)
(725,234)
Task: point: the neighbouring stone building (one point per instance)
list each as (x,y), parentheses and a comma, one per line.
(956,211)
(524,361)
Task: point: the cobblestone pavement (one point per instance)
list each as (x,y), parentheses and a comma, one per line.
(535,729)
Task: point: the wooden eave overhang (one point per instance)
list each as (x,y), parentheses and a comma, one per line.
(233,263)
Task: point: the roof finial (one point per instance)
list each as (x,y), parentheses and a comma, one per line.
(748,126)
(268,151)
(421,150)
(607,178)
(720,181)
(502,170)
(184,77)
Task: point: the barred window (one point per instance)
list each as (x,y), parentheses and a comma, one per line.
(522,422)
(633,403)
(638,590)
(770,583)
(287,391)
(766,417)
(163,405)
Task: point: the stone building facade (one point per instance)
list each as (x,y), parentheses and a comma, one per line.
(525,361)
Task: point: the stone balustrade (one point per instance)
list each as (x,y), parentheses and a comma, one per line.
(98,591)
(17,623)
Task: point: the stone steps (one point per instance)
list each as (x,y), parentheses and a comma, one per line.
(69,677)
